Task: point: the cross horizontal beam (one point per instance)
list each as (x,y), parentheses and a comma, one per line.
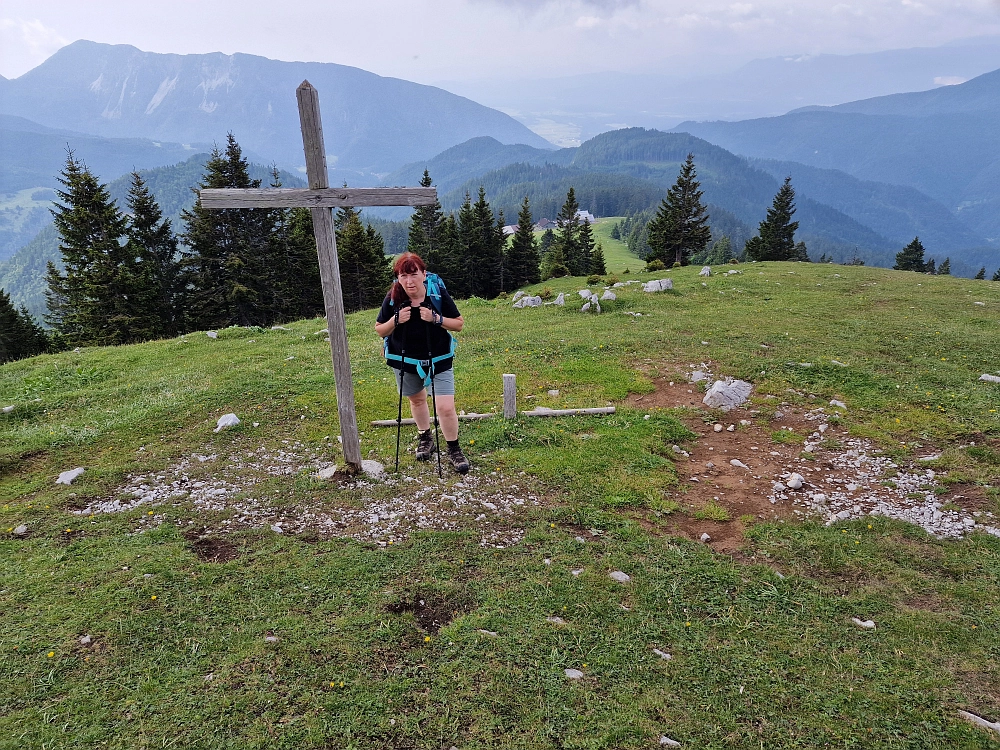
(319,198)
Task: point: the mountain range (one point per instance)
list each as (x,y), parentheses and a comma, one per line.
(372,123)
(943,142)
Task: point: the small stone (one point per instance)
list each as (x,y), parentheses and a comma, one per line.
(585,293)
(705,538)
(989,378)
(147,575)
(795,481)
(727,394)
(573,674)
(86,640)
(705,271)
(271,638)
(581,540)
(555,620)
(212,334)
(779,414)
(738,464)
(226,421)
(866,624)
(560,300)
(487,632)
(718,427)
(608,296)
(709,465)
(328,473)
(667,742)
(731,428)
(553,393)
(518,295)
(277,529)
(852,487)
(617,575)
(8,409)
(662,654)
(68,477)
(373,469)
(779,487)
(547,561)
(838,404)
(819,497)
(576,572)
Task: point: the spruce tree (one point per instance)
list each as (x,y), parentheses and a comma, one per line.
(546,242)
(597,264)
(522,258)
(911,257)
(482,247)
(425,230)
(88,301)
(981,275)
(616,233)
(229,251)
(930,267)
(945,268)
(365,272)
(568,236)
(20,335)
(586,251)
(152,245)
(680,226)
(451,262)
(996,275)
(800,252)
(775,239)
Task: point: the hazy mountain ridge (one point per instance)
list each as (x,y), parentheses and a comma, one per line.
(371,122)
(934,141)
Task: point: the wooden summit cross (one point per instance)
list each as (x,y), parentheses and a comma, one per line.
(321,199)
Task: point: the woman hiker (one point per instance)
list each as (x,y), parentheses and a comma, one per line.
(415,321)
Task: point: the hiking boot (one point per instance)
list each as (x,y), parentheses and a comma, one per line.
(458,460)
(425,445)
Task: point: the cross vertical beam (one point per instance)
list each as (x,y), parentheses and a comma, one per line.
(329,268)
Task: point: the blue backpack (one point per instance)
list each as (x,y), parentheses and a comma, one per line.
(425,367)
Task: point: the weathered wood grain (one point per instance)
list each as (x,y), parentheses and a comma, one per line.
(316,197)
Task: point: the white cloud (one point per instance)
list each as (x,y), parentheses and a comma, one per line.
(587,22)
(24,44)
(948,80)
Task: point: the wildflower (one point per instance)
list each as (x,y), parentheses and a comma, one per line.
(153,597)
(51,654)
(427,639)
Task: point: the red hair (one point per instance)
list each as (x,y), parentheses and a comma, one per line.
(405,263)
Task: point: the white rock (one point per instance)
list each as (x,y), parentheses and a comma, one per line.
(271,638)
(819,497)
(838,404)
(86,640)
(373,469)
(576,571)
(795,481)
(866,624)
(21,530)
(662,654)
(68,477)
(779,487)
(608,296)
(667,742)
(732,272)
(658,285)
(705,271)
(738,464)
(705,538)
(8,409)
(990,378)
(225,421)
(518,294)
(553,392)
(731,428)
(718,427)
(573,674)
(277,529)
(698,375)
(617,575)
(519,304)
(726,395)
(560,300)
(586,307)
(585,293)
(212,334)
(328,472)
(979,720)
(555,620)
(487,632)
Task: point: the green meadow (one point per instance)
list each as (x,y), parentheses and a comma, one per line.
(317,640)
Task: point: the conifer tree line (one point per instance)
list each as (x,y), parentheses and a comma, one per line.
(127,276)
(20,334)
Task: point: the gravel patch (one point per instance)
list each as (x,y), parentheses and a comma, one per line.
(384,509)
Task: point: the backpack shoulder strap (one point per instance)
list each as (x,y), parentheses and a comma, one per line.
(435,287)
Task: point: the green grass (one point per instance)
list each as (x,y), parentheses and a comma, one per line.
(758,660)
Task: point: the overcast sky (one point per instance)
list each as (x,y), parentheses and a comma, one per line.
(434,40)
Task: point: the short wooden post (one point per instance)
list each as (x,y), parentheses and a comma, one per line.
(333,296)
(509,396)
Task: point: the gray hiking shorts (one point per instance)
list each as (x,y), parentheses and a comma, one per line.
(444,383)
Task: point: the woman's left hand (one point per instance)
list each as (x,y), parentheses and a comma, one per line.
(426,314)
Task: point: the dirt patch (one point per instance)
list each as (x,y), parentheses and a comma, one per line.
(732,472)
(431,611)
(213,549)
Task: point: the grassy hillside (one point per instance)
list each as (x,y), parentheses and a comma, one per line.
(408,612)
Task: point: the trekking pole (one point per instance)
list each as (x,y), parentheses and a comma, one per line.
(399,413)
(437,438)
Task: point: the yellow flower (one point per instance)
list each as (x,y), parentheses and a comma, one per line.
(51,654)
(472,442)
(687,624)
(427,639)
(332,685)
(153,597)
